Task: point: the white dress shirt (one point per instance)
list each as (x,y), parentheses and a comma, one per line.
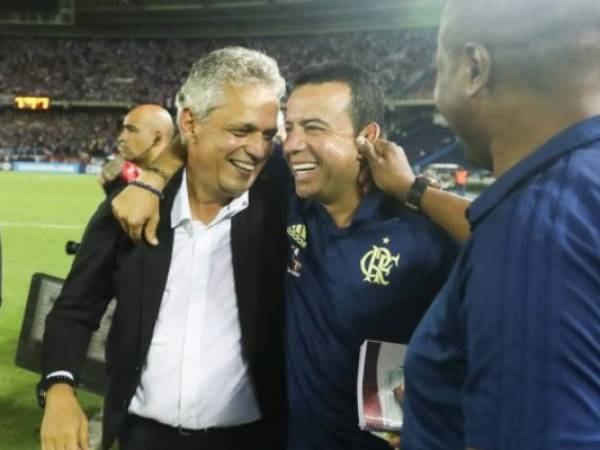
(195,376)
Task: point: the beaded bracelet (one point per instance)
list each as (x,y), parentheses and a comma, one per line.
(147,187)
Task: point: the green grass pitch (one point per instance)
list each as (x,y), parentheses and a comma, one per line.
(38,214)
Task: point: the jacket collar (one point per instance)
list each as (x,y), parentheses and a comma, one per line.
(566,141)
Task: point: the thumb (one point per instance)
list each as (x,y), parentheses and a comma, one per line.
(366,148)
(84,437)
(150,230)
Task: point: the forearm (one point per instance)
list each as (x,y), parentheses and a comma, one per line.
(448,211)
(84,297)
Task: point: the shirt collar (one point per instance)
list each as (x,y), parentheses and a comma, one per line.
(367,207)
(564,142)
(365,212)
(181,214)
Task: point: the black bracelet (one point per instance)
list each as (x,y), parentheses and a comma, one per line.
(413,200)
(147,187)
(46,383)
(158,172)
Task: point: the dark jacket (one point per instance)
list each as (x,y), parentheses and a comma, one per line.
(109,265)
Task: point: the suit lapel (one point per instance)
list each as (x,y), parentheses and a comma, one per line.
(156,262)
(246,270)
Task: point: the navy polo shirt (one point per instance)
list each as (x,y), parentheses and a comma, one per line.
(508,355)
(373,279)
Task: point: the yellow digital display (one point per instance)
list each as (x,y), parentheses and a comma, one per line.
(32,102)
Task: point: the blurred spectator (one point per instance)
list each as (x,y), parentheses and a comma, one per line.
(460,180)
(56,135)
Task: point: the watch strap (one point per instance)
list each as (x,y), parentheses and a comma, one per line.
(47,383)
(416,191)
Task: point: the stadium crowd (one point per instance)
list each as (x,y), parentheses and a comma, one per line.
(150,70)
(56,135)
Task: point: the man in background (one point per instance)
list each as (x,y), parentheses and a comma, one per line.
(146,131)
(461,177)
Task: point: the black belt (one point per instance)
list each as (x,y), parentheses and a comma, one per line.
(197,432)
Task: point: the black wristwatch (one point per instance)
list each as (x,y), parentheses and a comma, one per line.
(416,191)
(43,386)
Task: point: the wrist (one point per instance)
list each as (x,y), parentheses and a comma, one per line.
(59,389)
(416,192)
(403,188)
(54,386)
(158,171)
(152,179)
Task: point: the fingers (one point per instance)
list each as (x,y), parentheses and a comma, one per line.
(365,178)
(395,442)
(116,214)
(84,437)
(65,440)
(399,393)
(47,445)
(150,230)
(367,150)
(133,230)
(387,149)
(72,442)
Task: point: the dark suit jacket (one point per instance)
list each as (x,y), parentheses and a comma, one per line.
(108,265)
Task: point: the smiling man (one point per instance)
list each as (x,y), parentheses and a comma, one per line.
(359,267)
(194,354)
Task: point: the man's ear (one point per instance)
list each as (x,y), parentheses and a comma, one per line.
(479,63)
(371,132)
(187,121)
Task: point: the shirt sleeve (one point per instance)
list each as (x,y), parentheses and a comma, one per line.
(85,295)
(60,373)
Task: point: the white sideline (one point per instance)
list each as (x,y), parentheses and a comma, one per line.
(40,225)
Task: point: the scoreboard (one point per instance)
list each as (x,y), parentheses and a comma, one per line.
(32,103)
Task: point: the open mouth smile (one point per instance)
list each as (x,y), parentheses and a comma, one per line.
(243,165)
(305,167)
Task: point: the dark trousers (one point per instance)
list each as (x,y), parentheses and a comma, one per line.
(145,434)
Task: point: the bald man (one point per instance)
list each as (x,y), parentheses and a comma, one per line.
(147,129)
(508,355)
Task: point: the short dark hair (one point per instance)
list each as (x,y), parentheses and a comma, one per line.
(556,47)
(367,103)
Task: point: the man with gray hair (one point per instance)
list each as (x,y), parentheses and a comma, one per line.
(194,354)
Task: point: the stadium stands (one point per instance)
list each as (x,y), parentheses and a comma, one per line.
(138,71)
(56,135)
(150,70)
